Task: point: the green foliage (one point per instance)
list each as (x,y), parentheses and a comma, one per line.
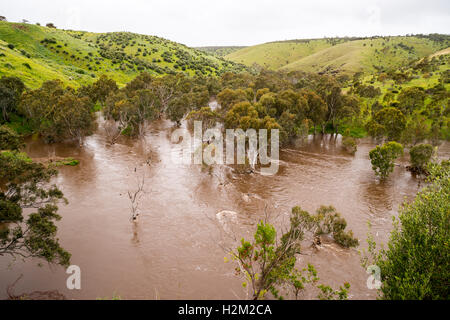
(328,221)
(101,89)
(416,130)
(327,293)
(317,108)
(415,265)
(205,115)
(411,99)
(420,155)
(383,157)
(9,140)
(242,115)
(58,113)
(349,142)
(23,186)
(229,97)
(11,89)
(268,265)
(178,107)
(389,122)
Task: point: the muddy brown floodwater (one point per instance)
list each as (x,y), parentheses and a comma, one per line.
(175,250)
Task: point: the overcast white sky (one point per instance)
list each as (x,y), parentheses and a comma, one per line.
(237,22)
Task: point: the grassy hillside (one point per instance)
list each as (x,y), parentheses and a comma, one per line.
(220,51)
(274,55)
(37,54)
(438,73)
(341,55)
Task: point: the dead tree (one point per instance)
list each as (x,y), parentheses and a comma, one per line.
(135,197)
(112,131)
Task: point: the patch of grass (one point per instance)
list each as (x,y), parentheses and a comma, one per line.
(355,132)
(66,162)
(97,107)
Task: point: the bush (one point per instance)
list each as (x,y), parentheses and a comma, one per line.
(11,46)
(416,262)
(349,142)
(420,155)
(9,140)
(382,158)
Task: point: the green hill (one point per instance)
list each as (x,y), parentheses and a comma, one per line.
(274,55)
(341,55)
(220,51)
(37,54)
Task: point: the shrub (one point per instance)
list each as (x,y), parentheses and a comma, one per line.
(9,140)
(349,142)
(420,155)
(382,158)
(415,264)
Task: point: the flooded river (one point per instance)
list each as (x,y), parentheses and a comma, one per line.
(175,249)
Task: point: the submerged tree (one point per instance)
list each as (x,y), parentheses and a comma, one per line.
(74,117)
(383,157)
(317,109)
(349,143)
(268,262)
(207,116)
(58,113)
(420,156)
(135,197)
